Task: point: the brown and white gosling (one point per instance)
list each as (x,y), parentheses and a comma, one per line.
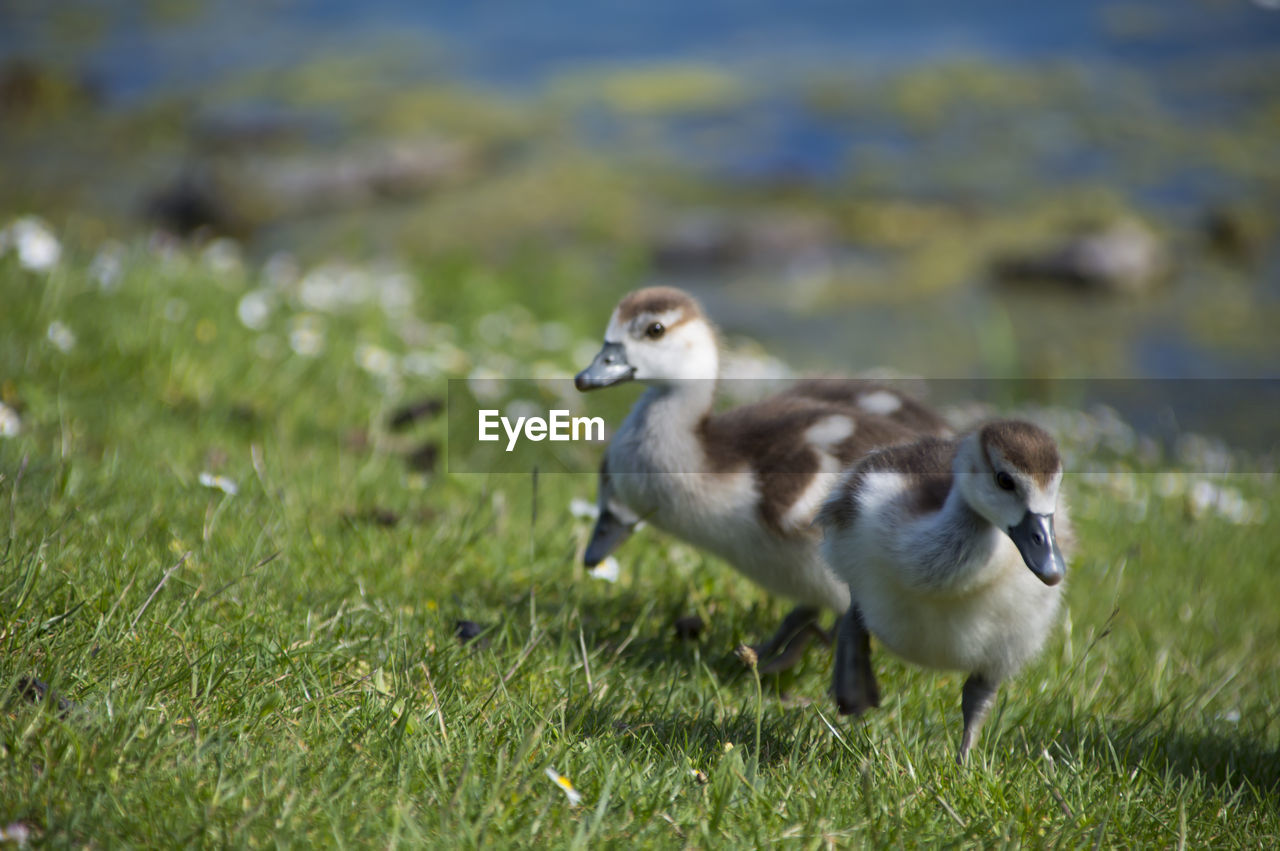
(952,560)
(744,484)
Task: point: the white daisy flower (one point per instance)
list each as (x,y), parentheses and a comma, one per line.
(574,796)
(307,336)
(10,424)
(583,509)
(38,249)
(607,570)
(1227,503)
(254,309)
(61,336)
(375,360)
(222,483)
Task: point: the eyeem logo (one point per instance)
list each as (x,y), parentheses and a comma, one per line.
(560,426)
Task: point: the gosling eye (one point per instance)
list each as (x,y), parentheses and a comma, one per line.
(655,330)
(1004,481)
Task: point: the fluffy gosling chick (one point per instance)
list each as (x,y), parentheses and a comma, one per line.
(743,484)
(952,560)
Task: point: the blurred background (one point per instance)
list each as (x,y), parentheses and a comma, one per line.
(989,188)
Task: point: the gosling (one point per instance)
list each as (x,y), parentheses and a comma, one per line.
(952,560)
(744,484)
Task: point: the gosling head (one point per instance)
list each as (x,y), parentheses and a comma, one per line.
(656,335)
(1009,472)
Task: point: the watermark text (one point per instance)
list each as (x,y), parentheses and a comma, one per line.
(557,426)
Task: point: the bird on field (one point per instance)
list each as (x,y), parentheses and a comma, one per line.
(950,548)
(743,484)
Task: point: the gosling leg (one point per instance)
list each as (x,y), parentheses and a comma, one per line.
(784,647)
(855,681)
(975,701)
(794,649)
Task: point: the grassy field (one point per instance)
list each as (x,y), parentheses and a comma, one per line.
(278,665)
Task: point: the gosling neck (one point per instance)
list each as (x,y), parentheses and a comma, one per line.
(961,545)
(682,402)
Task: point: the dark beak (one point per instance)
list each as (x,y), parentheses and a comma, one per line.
(1039,547)
(608,535)
(610,367)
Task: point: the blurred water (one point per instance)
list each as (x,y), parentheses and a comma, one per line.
(133,49)
(1197,63)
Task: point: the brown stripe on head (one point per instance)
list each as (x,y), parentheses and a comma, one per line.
(1026,446)
(658,300)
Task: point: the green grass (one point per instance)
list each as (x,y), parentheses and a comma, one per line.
(275,668)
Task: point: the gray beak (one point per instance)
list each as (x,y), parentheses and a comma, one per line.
(610,367)
(607,536)
(1039,547)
